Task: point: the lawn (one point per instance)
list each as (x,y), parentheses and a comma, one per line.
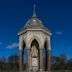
(44,71)
(61,71)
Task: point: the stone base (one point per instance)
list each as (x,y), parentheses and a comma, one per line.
(41,70)
(35,71)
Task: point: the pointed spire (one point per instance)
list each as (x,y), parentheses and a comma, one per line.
(34,13)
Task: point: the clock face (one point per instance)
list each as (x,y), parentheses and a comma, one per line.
(34,61)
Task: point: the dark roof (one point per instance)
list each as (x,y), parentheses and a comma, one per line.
(33,23)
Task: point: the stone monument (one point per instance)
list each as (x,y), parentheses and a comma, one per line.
(34,36)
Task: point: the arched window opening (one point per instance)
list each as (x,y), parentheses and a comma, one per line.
(24,55)
(35,55)
(45,56)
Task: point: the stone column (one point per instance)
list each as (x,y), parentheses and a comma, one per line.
(41,60)
(20,60)
(49,56)
(28,60)
(49,60)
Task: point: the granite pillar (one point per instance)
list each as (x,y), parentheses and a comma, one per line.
(20,61)
(41,60)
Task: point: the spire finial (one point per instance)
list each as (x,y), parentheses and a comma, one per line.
(34,13)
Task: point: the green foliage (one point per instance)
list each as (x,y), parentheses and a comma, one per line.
(58,64)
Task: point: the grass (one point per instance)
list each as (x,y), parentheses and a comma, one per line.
(61,71)
(25,71)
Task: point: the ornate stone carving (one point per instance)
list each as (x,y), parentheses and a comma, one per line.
(34,29)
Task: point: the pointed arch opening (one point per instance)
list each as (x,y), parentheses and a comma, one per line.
(35,56)
(45,56)
(24,56)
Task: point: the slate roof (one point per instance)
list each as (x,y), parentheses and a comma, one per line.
(34,23)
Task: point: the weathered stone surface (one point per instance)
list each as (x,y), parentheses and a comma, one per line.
(34,31)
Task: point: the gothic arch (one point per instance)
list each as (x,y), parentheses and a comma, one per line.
(35,42)
(35,53)
(37,39)
(23,42)
(46,41)
(45,54)
(24,54)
